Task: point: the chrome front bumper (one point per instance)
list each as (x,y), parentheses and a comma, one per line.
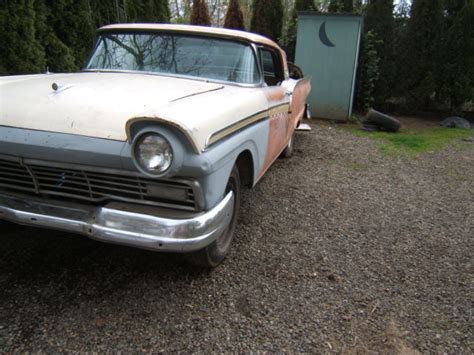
(125,224)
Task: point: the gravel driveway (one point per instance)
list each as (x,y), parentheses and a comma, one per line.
(338,249)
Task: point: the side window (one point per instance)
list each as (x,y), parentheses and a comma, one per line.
(272,71)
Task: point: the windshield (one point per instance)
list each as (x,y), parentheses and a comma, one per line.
(210,58)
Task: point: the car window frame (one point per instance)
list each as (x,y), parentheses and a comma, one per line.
(260,77)
(277,59)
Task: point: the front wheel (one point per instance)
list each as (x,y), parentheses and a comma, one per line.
(214,253)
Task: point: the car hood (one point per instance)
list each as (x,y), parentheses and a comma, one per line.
(91,104)
(100,104)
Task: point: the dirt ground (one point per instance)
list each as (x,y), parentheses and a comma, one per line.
(339,249)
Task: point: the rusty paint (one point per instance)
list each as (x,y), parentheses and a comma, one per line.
(276,139)
(283,123)
(298,104)
(274,94)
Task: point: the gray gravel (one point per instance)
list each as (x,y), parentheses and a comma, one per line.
(338,249)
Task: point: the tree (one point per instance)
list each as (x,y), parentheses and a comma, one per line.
(71,32)
(379,20)
(457,76)
(422,53)
(340,6)
(452,8)
(58,56)
(147,11)
(234,18)
(200,14)
(59,34)
(368,72)
(20,50)
(267,18)
(290,38)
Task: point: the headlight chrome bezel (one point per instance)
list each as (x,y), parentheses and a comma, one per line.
(138,141)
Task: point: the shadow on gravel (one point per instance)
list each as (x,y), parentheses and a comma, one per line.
(64,261)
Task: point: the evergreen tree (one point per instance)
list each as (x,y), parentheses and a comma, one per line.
(379,20)
(107,12)
(267,18)
(457,76)
(200,14)
(58,56)
(341,6)
(422,54)
(147,11)
(369,70)
(234,18)
(72,26)
(290,38)
(452,8)
(20,50)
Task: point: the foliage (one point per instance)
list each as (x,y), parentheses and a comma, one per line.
(380,21)
(145,11)
(234,18)
(289,41)
(59,34)
(451,9)
(457,76)
(414,142)
(267,18)
(20,50)
(180,11)
(200,14)
(369,72)
(70,33)
(421,62)
(341,6)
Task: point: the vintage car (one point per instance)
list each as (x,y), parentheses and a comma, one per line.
(149,145)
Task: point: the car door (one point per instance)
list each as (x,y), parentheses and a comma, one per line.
(278,103)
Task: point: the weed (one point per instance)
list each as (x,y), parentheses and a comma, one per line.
(413,142)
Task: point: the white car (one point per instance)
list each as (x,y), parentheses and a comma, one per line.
(150,144)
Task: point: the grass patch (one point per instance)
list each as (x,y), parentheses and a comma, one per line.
(357,166)
(412,142)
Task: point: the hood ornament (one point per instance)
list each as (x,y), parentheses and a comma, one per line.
(58,88)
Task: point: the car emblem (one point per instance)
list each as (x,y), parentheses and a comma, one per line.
(62,179)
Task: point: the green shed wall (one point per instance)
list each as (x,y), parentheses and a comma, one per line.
(327,50)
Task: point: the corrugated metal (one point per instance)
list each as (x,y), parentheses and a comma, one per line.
(327,50)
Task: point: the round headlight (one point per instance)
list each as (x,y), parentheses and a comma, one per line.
(153,153)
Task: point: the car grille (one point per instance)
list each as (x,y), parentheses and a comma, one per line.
(95,187)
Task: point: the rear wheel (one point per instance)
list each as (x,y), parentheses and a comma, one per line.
(215,253)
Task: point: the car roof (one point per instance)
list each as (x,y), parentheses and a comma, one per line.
(203,30)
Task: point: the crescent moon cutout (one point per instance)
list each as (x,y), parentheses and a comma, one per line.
(323,36)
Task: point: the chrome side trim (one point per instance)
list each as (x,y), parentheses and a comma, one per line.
(219,135)
(131,227)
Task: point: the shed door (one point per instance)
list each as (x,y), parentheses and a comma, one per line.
(327,51)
